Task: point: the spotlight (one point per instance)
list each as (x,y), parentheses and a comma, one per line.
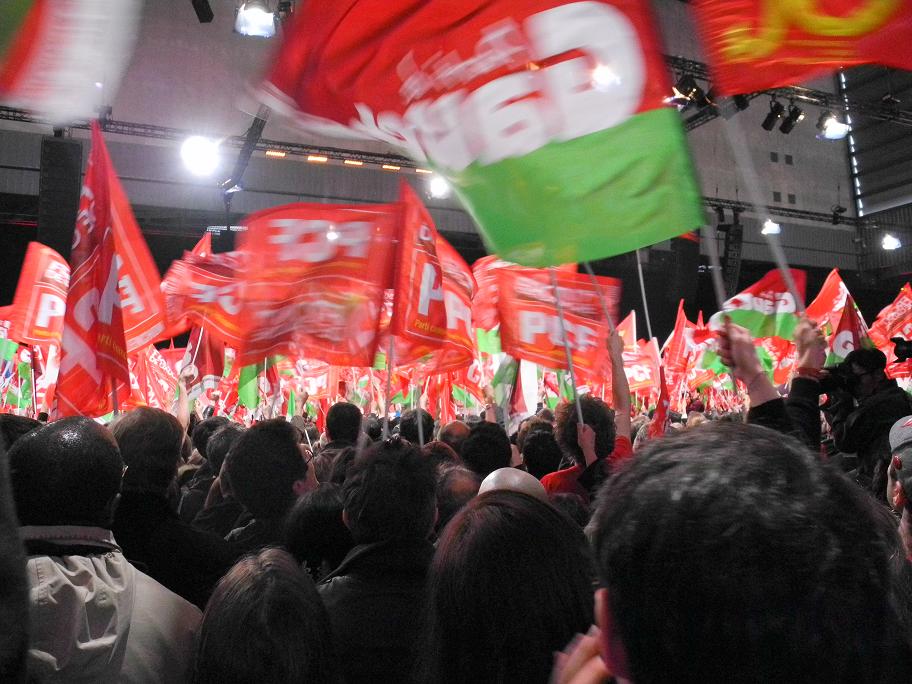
(200,155)
(831,128)
(770,227)
(720,214)
(255,18)
(775,113)
(438,187)
(203,10)
(838,210)
(890,242)
(742,102)
(684,92)
(795,114)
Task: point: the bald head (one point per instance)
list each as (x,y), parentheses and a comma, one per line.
(454,434)
(514,480)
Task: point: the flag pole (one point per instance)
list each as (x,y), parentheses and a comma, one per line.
(643,294)
(114,397)
(389,386)
(601,296)
(563,326)
(34,384)
(745,164)
(715,265)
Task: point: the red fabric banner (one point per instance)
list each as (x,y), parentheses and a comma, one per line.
(205,359)
(154,377)
(40,301)
(93,352)
(826,309)
(529,323)
(759,44)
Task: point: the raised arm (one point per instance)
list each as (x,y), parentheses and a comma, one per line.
(620,390)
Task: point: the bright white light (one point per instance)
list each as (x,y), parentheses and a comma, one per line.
(200,155)
(833,129)
(438,187)
(770,227)
(890,242)
(99,84)
(254,19)
(332,235)
(604,77)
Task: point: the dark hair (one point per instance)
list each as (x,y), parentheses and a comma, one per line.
(440,454)
(389,493)
(314,531)
(66,473)
(455,488)
(341,464)
(573,505)
(12,427)
(265,622)
(150,442)
(510,584)
(486,449)
(454,434)
(343,422)
(263,465)
(14,587)
(596,415)
(541,453)
(869,359)
(372,427)
(220,443)
(203,430)
(731,552)
(529,426)
(408,426)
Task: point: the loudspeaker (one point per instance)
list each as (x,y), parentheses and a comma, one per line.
(59,184)
(686,253)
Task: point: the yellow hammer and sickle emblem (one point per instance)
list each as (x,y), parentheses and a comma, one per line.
(741,43)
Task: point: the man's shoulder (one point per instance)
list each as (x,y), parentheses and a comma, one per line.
(561,477)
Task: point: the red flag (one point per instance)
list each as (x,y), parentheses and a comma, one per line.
(759,44)
(434,288)
(627,329)
(529,323)
(894,320)
(206,291)
(660,420)
(849,334)
(156,380)
(678,346)
(93,353)
(827,306)
(315,282)
(642,368)
(205,357)
(203,248)
(40,301)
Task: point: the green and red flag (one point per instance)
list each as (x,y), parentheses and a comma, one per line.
(849,334)
(56,56)
(766,308)
(827,307)
(546,116)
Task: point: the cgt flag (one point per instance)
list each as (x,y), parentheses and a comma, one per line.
(40,301)
(546,116)
(758,44)
(93,351)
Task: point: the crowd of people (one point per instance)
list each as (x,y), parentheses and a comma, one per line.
(772,546)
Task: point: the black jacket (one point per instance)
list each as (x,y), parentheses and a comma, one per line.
(797,415)
(375,600)
(186,560)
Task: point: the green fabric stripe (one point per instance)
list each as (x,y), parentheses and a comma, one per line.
(12,16)
(760,324)
(603,194)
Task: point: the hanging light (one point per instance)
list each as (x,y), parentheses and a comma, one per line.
(770,227)
(775,113)
(200,155)
(255,18)
(795,114)
(890,242)
(831,128)
(438,187)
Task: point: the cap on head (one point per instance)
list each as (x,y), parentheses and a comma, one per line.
(901,433)
(513,480)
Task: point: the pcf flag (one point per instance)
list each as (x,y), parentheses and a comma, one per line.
(37,310)
(766,308)
(546,116)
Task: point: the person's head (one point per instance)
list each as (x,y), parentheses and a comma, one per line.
(596,415)
(314,531)
(486,449)
(510,584)
(695,420)
(203,430)
(513,480)
(266,469)
(541,453)
(573,505)
(12,427)
(343,422)
(389,493)
(440,454)
(66,473)
(455,488)
(341,464)
(372,427)
(529,426)
(408,426)
(265,622)
(730,552)
(546,415)
(150,442)
(900,467)
(453,434)
(220,444)
(867,366)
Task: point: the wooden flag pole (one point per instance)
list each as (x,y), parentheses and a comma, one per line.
(715,265)
(563,326)
(389,386)
(601,294)
(643,295)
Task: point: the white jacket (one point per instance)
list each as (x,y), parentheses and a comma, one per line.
(96,618)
